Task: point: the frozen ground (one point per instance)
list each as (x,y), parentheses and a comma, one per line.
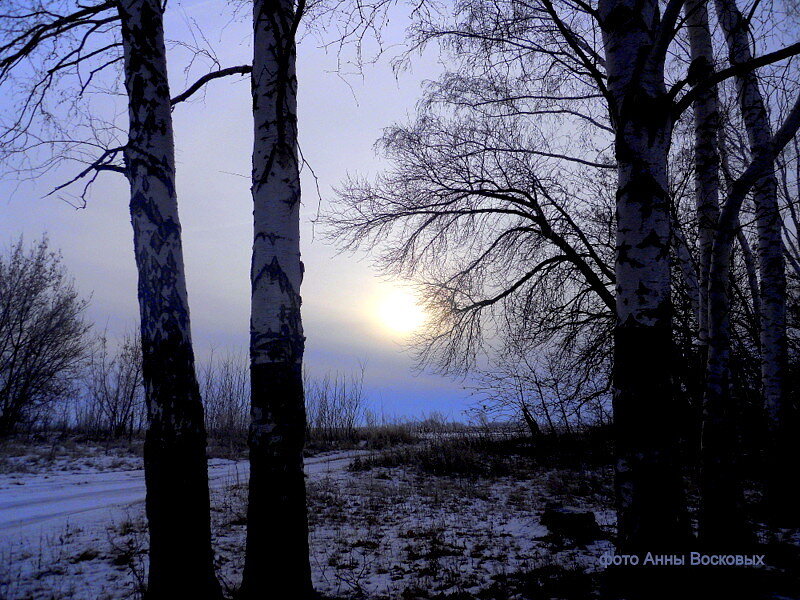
(381,533)
(50,454)
(34,504)
(399,533)
(431,521)
(436,520)
(79,532)
(38,503)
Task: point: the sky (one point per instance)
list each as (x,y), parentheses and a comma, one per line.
(352,315)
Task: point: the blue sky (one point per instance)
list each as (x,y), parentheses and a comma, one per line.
(340,117)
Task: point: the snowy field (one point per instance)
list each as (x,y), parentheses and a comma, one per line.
(383,532)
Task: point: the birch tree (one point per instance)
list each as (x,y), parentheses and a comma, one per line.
(724,524)
(277,554)
(706,155)
(721,516)
(649,496)
(717,466)
(82,43)
(178,510)
(721,496)
(772,278)
(617,69)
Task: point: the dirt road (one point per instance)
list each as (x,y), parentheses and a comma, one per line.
(50,500)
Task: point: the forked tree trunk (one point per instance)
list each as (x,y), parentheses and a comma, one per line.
(277,560)
(722,523)
(181,558)
(772,276)
(648,484)
(720,494)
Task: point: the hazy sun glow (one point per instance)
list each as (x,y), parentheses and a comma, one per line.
(399,313)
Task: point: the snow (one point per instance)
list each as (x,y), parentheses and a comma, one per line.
(19,458)
(390,532)
(382,533)
(34,504)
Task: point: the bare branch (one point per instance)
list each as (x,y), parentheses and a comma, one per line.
(202,81)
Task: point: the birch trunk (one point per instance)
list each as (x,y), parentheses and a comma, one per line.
(721,515)
(719,488)
(648,482)
(706,156)
(772,274)
(720,520)
(277,559)
(181,558)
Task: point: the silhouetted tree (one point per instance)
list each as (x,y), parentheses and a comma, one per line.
(577,79)
(114,386)
(43,335)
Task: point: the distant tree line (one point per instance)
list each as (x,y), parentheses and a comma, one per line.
(57,372)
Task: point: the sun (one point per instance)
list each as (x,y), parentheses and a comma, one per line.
(399,313)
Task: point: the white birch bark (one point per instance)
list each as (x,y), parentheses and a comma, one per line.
(706,128)
(277,555)
(768,218)
(770,252)
(719,482)
(177,503)
(720,520)
(276,271)
(648,484)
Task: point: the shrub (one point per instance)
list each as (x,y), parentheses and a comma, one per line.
(43,340)
(457,457)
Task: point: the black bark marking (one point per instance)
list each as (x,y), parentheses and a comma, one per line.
(650,506)
(277,554)
(177,503)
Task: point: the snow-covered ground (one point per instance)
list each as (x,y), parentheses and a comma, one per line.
(396,533)
(39,503)
(72,524)
(35,504)
(382,533)
(80,532)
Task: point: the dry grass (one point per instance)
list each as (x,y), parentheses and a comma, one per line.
(40,452)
